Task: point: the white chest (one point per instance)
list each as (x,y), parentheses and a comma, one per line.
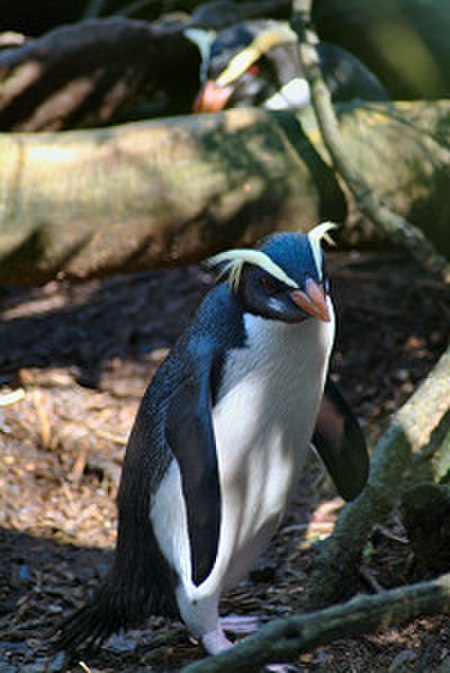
(271,388)
(264,421)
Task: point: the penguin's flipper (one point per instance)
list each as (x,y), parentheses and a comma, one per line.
(340,443)
(190,435)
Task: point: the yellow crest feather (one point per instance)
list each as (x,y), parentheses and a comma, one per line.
(234,263)
(277,33)
(321,232)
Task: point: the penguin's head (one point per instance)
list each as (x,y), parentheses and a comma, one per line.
(257,63)
(250,64)
(284,279)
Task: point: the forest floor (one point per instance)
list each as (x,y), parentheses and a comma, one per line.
(83,355)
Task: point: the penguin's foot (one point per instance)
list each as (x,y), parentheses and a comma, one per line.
(240,623)
(280,668)
(216,641)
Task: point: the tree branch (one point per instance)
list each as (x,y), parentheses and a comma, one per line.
(396,227)
(93,9)
(412,430)
(283,639)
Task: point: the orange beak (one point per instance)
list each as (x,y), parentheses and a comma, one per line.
(212,97)
(313,301)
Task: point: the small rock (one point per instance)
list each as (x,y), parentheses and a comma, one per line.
(24,572)
(57,663)
(122,644)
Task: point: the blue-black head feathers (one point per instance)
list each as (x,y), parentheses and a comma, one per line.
(282,280)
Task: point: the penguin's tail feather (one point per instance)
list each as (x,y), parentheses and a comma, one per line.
(104,614)
(140,584)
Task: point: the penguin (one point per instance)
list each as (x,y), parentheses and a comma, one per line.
(257,63)
(220,440)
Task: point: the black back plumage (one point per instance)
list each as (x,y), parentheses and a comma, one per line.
(346,76)
(141,583)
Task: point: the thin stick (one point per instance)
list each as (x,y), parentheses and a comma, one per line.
(133,7)
(93,8)
(396,227)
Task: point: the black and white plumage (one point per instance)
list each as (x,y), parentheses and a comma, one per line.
(257,63)
(220,440)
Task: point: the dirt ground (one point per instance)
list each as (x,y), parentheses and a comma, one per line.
(80,357)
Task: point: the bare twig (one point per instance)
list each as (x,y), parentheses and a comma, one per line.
(93,8)
(133,7)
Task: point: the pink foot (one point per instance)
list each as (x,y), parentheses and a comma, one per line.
(245,624)
(215,641)
(240,623)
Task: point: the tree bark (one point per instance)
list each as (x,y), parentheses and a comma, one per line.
(152,194)
(413,431)
(283,639)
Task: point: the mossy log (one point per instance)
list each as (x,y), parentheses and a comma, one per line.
(99,71)
(150,194)
(415,431)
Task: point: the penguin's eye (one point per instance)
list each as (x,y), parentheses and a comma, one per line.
(267,284)
(254,70)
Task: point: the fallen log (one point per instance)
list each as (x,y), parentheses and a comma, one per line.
(151,194)
(97,71)
(83,74)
